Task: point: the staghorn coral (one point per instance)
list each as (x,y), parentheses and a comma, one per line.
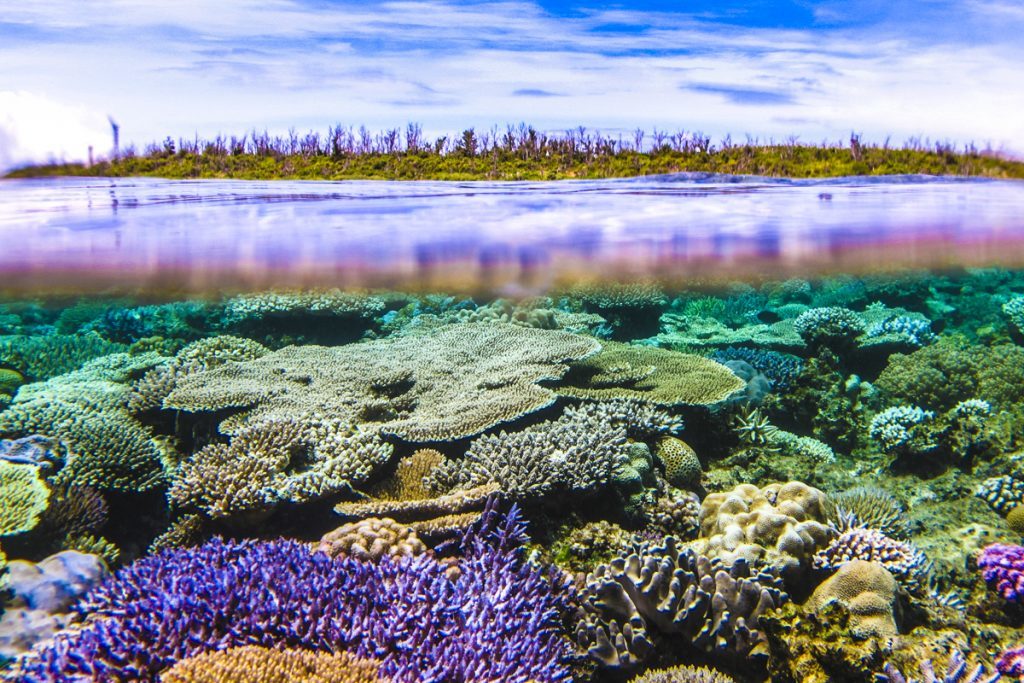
(659,376)
(662,591)
(754,429)
(443,384)
(23,498)
(186,531)
(371,539)
(292,460)
(84,411)
(498,620)
(577,452)
(253,664)
(904,561)
(868,591)
(871,507)
(780,525)
(42,357)
(682,466)
(683,674)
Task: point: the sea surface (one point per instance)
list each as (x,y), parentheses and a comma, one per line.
(676,429)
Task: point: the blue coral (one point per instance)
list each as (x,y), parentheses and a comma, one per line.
(499,620)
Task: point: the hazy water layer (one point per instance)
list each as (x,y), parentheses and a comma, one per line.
(503,237)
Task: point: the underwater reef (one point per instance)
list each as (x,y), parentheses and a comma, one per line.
(808,480)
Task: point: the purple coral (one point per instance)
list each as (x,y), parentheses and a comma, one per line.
(1011,662)
(499,620)
(1002,567)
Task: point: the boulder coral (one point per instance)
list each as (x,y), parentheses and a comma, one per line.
(779,526)
(371,539)
(868,591)
(904,561)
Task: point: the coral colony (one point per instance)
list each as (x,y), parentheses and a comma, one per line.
(806,480)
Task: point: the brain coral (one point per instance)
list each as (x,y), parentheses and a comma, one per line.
(649,374)
(252,664)
(780,525)
(23,497)
(868,591)
(286,459)
(445,383)
(577,452)
(371,539)
(84,409)
(498,620)
(660,591)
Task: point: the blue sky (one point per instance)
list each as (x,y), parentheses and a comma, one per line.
(944,69)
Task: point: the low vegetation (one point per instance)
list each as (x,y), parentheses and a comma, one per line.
(524,153)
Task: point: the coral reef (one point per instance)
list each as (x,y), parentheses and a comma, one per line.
(419,387)
(659,376)
(662,591)
(497,621)
(253,664)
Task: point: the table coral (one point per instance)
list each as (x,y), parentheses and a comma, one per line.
(659,376)
(499,620)
(444,384)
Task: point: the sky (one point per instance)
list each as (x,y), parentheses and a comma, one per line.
(945,70)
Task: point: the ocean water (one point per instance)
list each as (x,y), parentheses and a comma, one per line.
(671,429)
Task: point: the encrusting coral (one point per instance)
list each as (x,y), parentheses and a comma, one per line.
(253,664)
(23,498)
(447,383)
(653,375)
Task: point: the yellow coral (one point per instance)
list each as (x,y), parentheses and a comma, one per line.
(23,497)
(649,374)
(252,664)
(407,482)
(371,539)
(868,591)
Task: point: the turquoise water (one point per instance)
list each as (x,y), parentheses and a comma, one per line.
(760,426)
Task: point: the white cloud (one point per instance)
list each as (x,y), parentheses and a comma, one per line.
(35,128)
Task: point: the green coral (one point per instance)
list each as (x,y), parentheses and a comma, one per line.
(23,497)
(649,374)
(42,357)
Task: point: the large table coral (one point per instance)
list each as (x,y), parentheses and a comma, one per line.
(447,383)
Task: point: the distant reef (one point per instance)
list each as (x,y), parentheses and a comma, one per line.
(524,153)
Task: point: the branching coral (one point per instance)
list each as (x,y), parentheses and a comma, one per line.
(253,664)
(448,383)
(668,378)
(293,460)
(661,591)
(577,452)
(831,326)
(43,357)
(903,430)
(903,560)
(1002,493)
(499,620)
(1002,567)
(84,410)
(956,672)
